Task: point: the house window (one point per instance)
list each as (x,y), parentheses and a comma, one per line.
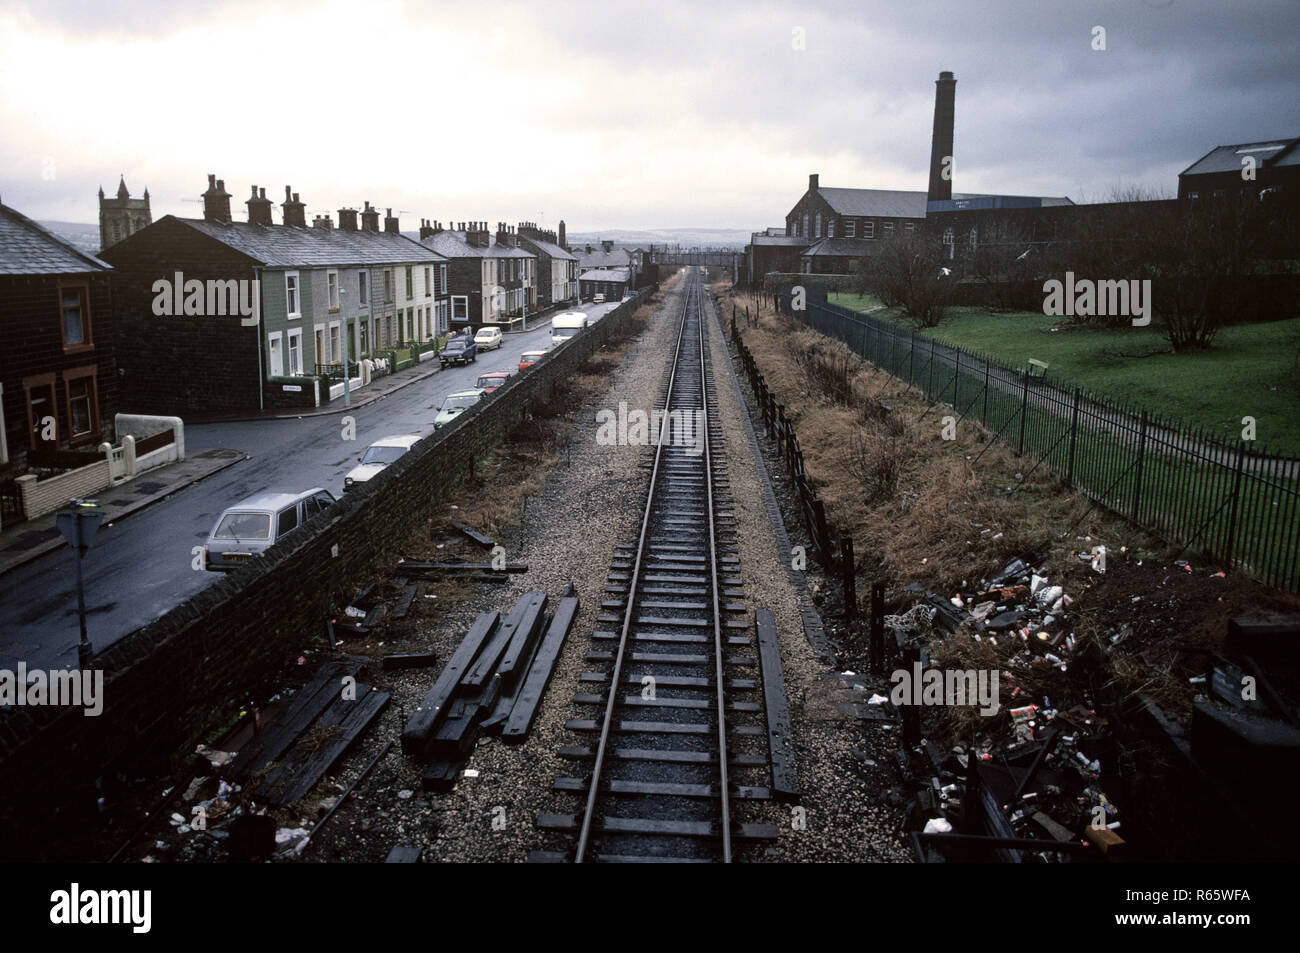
(74,311)
(460,307)
(948,236)
(805,225)
(410,282)
(888,229)
(363,289)
(817,232)
(388,286)
(410,324)
(83,415)
(274,359)
(332,287)
(830,229)
(363,329)
(335,353)
(442,278)
(428,282)
(292,307)
(295,352)
(42,423)
(850,228)
(868,229)
(910,226)
(973,237)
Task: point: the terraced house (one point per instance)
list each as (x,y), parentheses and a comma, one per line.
(321,293)
(557,269)
(492,280)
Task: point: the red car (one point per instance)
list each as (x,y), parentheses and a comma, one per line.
(492,380)
(529,358)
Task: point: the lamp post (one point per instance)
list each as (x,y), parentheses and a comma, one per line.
(347,389)
(79,526)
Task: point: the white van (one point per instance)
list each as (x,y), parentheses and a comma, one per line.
(566,324)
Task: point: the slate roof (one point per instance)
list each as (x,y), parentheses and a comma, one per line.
(604,274)
(840,247)
(548,248)
(28,249)
(291,246)
(772,237)
(599,258)
(878,203)
(453,245)
(1268,154)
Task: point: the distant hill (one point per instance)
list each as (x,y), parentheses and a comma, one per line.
(83,237)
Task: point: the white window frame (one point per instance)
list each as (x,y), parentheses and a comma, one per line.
(332,289)
(888,229)
(442,278)
(459,307)
(910,226)
(850,228)
(830,228)
(336,353)
(869,229)
(428,282)
(275,354)
(293,342)
(292,295)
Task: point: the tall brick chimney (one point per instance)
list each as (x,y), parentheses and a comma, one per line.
(562,245)
(477,234)
(607,245)
(426,230)
(216,201)
(390,223)
(347,220)
(813,182)
(369,219)
(259,208)
(945,96)
(295,212)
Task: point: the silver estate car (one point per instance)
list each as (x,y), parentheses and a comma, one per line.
(252,526)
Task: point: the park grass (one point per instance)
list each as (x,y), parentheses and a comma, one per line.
(853,301)
(1250,371)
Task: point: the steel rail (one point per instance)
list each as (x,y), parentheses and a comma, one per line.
(589,813)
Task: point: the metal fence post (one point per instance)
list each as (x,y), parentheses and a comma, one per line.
(1141,456)
(877,641)
(985,419)
(1074,431)
(1232,510)
(850,578)
(1024,410)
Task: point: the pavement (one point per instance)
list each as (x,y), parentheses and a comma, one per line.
(34,538)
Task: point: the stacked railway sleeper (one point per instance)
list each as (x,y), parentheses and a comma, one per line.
(674,723)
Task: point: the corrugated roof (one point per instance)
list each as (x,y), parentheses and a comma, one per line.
(604,274)
(28,249)
(1268,154)
(453,245)
(281,246)
(878,203)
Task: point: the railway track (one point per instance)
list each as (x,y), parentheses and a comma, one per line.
(675,742)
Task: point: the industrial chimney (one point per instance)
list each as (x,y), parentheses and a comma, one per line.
(945,95)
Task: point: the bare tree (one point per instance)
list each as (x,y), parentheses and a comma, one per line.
(912,272)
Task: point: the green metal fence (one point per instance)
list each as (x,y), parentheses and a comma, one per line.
(1233,501)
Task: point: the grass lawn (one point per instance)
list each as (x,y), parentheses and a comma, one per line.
(856,302)
(1251,370)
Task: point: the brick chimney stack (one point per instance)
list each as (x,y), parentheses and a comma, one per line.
(259,208)
(562,245)
(347,220)
(390,223)
(216,201)
(322,221)
(945,95)
(813,181)
(295,212)
(369,219)
(426,230)
(607,245)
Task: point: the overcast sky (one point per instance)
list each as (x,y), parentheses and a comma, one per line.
(651,114)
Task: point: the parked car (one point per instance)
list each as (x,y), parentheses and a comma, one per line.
(459,350)
(598,299)
(491,380)
(488,338)
(252,526)
(456,404)
(377,456)
(529,358)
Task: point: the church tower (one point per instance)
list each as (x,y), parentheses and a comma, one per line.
(121,215)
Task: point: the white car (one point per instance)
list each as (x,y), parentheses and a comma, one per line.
(488,338)
(598,299)
(377,456)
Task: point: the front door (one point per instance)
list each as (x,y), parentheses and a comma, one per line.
(42,418)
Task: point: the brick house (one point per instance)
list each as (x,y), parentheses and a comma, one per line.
(605,257)
(771,250)
(557,269)
(58,378)
(613,283)
(491,279)
(317,287)
(840,226)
